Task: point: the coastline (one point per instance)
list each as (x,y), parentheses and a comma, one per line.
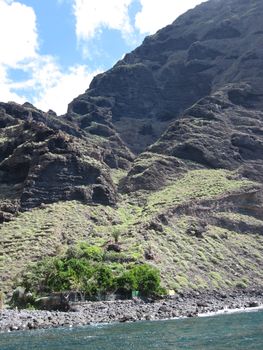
(182,305)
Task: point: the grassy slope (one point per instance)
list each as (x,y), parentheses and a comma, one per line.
(222,258)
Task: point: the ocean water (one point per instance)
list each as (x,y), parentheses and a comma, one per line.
(242,331)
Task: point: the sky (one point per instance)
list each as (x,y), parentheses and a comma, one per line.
(51,49)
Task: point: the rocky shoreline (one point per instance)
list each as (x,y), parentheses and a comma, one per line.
(181,305)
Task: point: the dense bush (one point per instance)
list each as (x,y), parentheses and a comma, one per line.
(55,275)
(68,274)
(84,250)
(83,269)
(144,278)
(105,279)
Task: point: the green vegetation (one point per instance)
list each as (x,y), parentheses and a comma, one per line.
(218,258)
(117,175)
(243,283)
(83,250)
(116,235)
(144,278)
(196,185)
(89,273)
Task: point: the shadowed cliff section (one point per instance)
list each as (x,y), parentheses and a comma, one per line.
(223,130)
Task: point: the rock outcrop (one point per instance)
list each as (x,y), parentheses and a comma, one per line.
(44,159)
(221,131)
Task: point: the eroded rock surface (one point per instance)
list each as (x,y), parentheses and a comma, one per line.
(217,132)
(44,159)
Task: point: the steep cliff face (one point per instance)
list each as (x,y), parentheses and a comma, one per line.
(166,147)
(215,44)
(223,130)
(44,159)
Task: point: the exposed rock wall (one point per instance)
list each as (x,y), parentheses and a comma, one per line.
(224,130)
(44,159)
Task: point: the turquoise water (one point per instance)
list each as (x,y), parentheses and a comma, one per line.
(232,332)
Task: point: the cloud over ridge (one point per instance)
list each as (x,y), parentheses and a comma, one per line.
(93,15)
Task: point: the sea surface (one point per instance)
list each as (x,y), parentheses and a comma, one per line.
(241,331)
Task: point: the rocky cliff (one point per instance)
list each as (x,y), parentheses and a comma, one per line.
(166,147)
(45,159)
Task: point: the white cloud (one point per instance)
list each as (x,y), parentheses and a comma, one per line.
(18,40)
(50,86)
(18,34)
(62,87)
(156,14)
(92,15)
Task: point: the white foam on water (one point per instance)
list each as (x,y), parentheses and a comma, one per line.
(231,311)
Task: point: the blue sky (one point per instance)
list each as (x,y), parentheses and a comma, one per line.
(51,49)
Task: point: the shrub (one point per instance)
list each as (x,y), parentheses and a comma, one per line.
(69,274)
(127,281)
(56,275)
(91,252)
(144,278)
(116,235)
(106,282)
(147,279)
(84,250)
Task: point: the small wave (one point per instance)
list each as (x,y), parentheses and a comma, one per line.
(231,311)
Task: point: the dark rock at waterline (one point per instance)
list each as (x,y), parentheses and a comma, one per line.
(253,304)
